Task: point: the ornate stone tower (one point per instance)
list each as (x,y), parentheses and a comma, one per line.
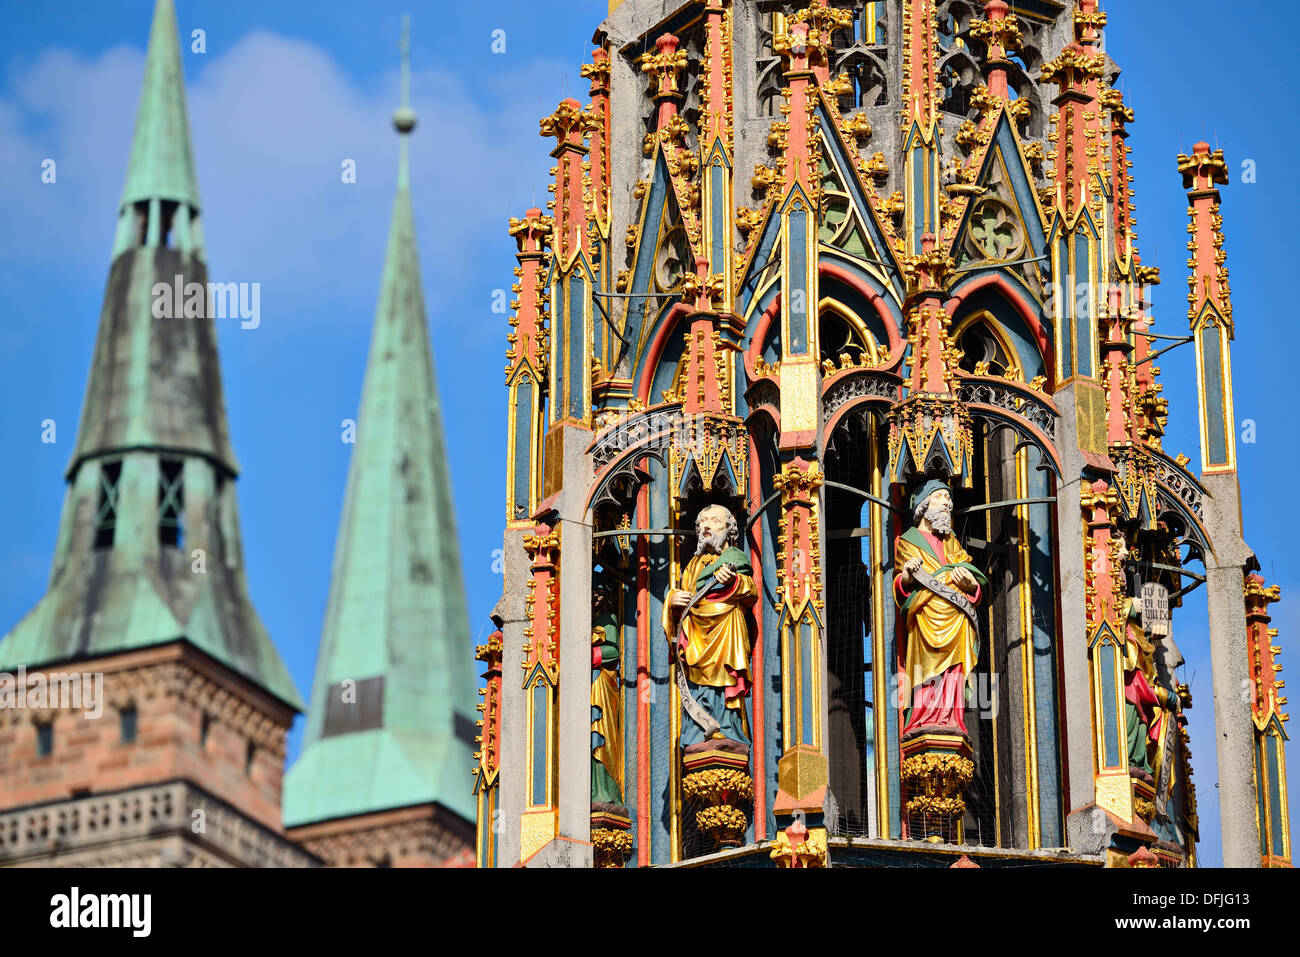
(179,761)
(384,777)
(838,524)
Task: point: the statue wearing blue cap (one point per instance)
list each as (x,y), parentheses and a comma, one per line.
(937,588)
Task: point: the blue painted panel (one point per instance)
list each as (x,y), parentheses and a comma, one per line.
(868,656)
(797,300)
(888,633)
(806,639)
(559,336)
(1111,698)
(537,794)
(1047,721)
(494,793)
(578,357)
(484,830)
(1084,345)
(661,693)
(523,442)
(1216,425)
(719,252)
(1261,764)
(1272,748)
(1065,335)
(768,684)
(919,200)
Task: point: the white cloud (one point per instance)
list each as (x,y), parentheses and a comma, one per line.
(81,114)
(272,119)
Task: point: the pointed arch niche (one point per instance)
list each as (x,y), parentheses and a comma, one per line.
(1015,798)
(1014,801)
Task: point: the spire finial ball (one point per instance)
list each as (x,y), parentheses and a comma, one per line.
(404,119)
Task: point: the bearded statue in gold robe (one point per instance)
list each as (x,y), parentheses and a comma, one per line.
(707,618)
(937,588)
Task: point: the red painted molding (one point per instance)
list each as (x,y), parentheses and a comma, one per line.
(656,350)
(1022,308)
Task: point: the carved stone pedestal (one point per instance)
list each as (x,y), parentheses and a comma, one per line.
(611,835)
(716,785)
(800,846)
(1144,794)
(936,770)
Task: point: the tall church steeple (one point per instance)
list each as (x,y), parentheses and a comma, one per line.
(148,548)
(147,586)
(390,730)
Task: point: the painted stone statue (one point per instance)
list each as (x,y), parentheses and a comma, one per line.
(606,706)
(1147,704)
(707,616)
(937,588)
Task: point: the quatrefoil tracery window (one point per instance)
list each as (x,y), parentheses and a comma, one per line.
(996,231)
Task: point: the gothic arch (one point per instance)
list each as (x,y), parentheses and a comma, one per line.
(661,345)
(959,75)
(841,331)
(1024,87)
(956,15)
(985,343)
(994,294)
(869,76)
(872,306)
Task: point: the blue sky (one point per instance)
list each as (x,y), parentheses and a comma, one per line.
(286,92)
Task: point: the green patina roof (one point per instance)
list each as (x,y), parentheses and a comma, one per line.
(153,383)
(397,608)
(129,607)
(154,388)
(156,383)
(162,161)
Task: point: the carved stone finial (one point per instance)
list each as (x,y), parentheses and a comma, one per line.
(665,67)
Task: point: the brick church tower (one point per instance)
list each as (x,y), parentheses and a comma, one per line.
(179,760)
(384,777)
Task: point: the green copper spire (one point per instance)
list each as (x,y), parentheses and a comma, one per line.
(156,382)
(162,161)
(391,718)
(148,549)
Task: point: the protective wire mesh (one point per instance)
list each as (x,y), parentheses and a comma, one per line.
(850,689)
(988,820)
(995,799)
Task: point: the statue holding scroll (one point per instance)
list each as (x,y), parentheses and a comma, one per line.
(937,589)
